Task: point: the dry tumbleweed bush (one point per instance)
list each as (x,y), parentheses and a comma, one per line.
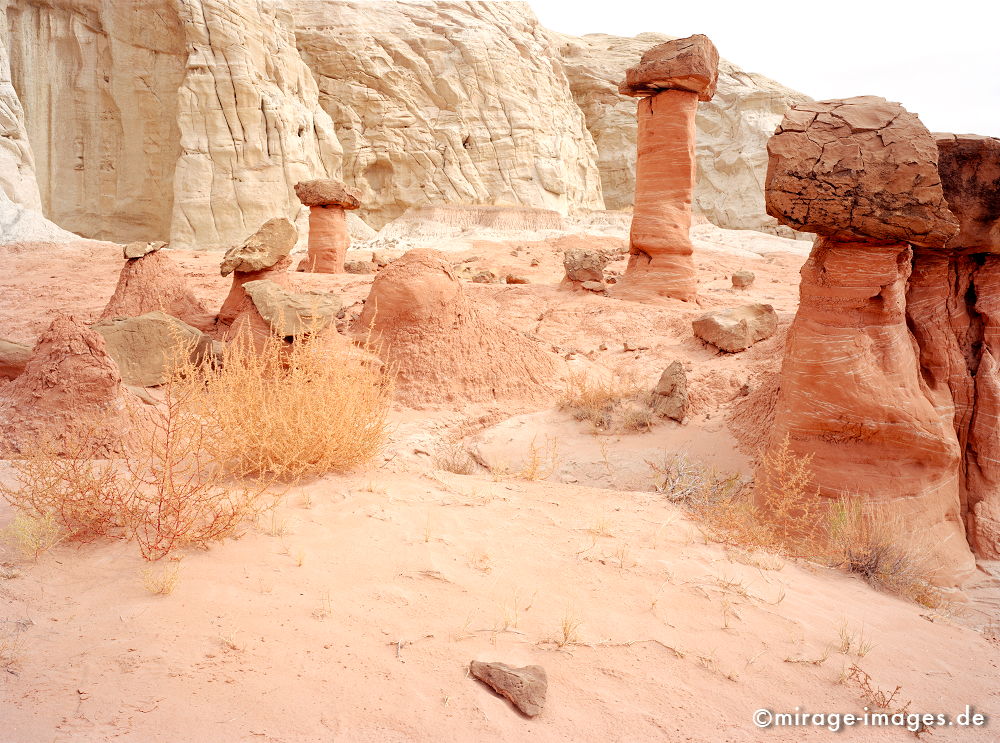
(196,467)
(292,411)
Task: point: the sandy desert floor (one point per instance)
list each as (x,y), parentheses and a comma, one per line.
(353,612)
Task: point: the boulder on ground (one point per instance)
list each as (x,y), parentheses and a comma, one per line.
(743,279)
(147,347)
(670,398)
(525,687)
(585,264)
(737,328)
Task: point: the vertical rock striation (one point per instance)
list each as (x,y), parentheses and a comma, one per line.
(953,307)
(181,120)
(448,103)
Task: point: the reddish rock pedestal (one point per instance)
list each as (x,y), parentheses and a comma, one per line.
(328,235)
(863,173)
(263,255)
(660,261)
(670,79)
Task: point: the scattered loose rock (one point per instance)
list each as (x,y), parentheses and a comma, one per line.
(670,395)
(737,328)
(743,279)
(525,687)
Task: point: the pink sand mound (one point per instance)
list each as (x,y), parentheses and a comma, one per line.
(69,387)
(443,348)
(154,283)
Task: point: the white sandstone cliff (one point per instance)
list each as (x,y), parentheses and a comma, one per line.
(191,120)
(180,120)
(448,103)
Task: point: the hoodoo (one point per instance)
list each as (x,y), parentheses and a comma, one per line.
(262,256)
(953,307)
(862,173)
(669,81)
(328,235)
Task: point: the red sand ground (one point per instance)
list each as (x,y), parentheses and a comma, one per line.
(353,614)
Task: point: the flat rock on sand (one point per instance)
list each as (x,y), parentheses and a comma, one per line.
(524,687)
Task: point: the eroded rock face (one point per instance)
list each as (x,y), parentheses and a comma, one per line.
(860,169)
(442,346)
(953,308)
(151,283)
(147,348)
(863,173)
(13,358)
(970,174)
(70,387)
(179,120)
(437,103)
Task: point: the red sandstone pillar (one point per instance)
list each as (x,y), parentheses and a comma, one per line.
(328,235)
(670,79)
(661,260)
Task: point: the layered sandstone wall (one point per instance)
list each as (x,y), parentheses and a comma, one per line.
(448,103)
(191,120)
(180,120)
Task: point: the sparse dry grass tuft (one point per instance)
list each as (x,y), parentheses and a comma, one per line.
(785,514)
(32,534)
(866,541)
(163,580)
(619,404)
(456,459)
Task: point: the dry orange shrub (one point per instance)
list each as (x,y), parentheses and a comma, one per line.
(195,468)
(292,411)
